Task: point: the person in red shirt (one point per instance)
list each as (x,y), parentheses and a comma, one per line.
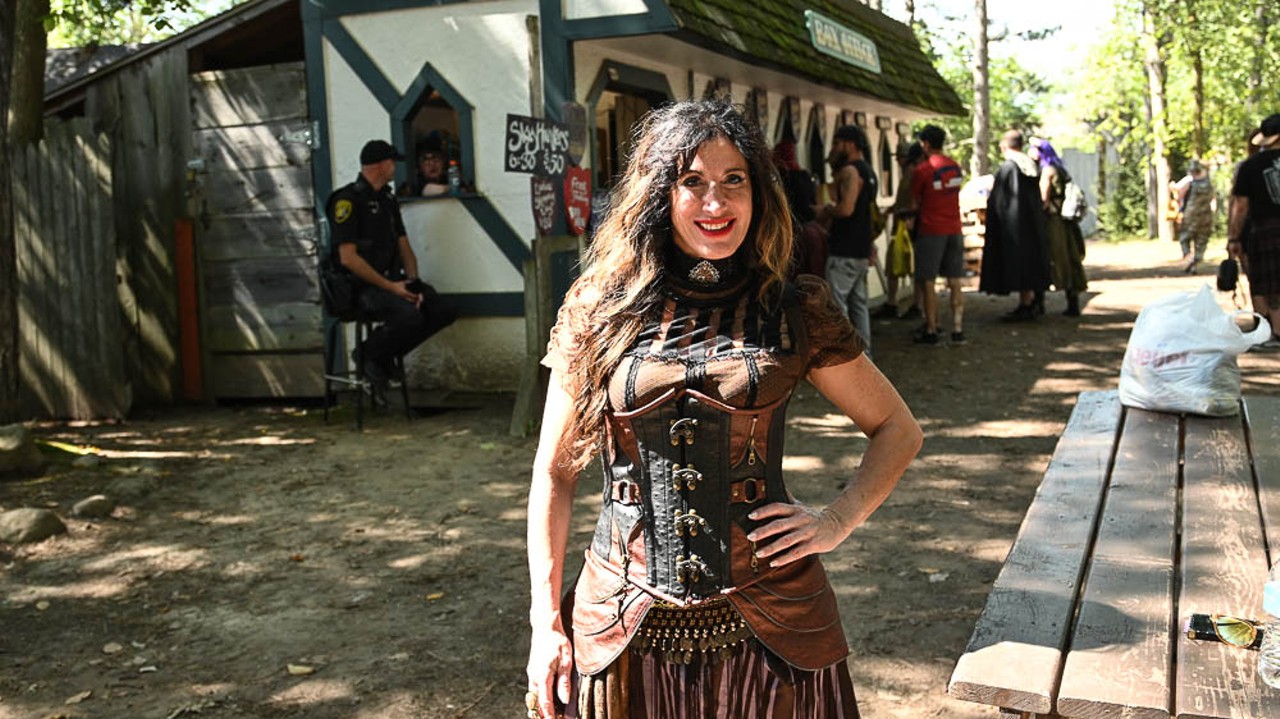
(935,185)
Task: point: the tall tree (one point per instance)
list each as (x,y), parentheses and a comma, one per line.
(8,246)
(30,37)
(1261,26)
(1154,42)
(980,163)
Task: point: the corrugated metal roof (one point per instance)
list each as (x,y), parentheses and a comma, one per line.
(774,31)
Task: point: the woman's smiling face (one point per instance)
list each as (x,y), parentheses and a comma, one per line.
(711,202)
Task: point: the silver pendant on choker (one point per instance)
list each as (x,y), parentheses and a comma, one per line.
(704,273)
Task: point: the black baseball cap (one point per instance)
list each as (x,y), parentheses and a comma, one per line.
(1268,132)
(376,151)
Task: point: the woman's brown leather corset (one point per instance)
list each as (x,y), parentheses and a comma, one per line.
(687,469)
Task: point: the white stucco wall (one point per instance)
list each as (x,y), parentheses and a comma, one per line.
(454,253)
(584,9)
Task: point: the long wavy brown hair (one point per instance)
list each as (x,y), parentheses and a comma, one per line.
(620,287)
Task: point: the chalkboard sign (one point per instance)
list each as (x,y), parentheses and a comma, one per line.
(536,146)
(575,116)
(544,203)
(577,199)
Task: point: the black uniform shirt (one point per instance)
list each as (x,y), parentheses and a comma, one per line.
(371,219)
(1259,180)
(851,236)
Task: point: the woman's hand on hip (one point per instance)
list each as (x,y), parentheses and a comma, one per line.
(550,670)
(795,531)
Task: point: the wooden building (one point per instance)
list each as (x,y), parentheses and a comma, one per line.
(397,68)
(211,189)
(233,134)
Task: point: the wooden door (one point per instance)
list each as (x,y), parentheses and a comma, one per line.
(251,197)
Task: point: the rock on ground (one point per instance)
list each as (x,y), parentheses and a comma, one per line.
(19,456)
(95,507)
(20,526)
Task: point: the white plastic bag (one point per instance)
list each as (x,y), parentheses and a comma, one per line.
(1182,356)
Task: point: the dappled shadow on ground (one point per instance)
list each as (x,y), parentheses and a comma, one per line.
(391,562)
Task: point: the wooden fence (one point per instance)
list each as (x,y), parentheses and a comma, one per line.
(71,329)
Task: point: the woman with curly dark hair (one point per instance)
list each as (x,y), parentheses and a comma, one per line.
(674,357)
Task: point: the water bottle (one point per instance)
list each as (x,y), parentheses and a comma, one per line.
(1269,653)
(455,178)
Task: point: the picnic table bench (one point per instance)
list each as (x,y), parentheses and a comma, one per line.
(1142,519)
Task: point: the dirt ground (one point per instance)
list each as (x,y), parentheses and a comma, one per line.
(390,563)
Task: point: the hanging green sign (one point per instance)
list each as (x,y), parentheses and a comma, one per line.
(840,42)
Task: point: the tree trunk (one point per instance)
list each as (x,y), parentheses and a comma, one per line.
(1194,40)
(8,241)
(1253,95)
(980,164)
(911,13)
(27,101)
(1154,40)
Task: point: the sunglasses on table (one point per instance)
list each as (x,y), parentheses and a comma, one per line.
(1237,632)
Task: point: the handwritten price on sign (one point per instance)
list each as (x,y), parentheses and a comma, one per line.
(536,146)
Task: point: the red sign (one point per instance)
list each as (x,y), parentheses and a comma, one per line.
(577,198)
(544,204)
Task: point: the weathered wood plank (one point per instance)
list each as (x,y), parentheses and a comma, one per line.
(251,147)
(1015,653)
(285,233)
(263,190)
(261,283)
(263,375)
(249,96)
(1262,415)
(1223,568)
(1119,661)
(286,326)
(109,398)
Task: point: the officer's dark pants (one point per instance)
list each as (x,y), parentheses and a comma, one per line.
(403,325)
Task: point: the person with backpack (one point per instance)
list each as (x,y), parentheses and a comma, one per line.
(849,243)
(1198,206)
(1066,241)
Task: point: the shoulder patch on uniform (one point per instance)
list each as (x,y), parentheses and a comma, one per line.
(342,211)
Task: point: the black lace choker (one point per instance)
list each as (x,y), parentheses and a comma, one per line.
(705,275)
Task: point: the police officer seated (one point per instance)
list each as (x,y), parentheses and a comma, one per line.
(371,243)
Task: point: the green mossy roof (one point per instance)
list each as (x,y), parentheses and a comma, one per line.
(774,31)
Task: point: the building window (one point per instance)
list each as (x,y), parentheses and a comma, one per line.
(620,96)
(886,165)
(433,147)
(788,127)
(432,123)
(815,145)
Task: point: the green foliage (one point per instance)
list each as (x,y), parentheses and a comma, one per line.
(1124,208)
(1111,96)
(1015,97)
(75,23)
(1015,94)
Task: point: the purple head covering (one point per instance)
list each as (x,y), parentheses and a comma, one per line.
(1048,156)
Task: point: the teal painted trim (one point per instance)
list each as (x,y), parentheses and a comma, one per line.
(321,160)
(402,118)
(557,59)
(495,225)
(657,20)
(614,75)
(363,66)
(488,304)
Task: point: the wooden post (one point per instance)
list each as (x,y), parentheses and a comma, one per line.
(188,309)
(540,305)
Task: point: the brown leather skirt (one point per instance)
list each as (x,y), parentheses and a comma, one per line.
(693,671)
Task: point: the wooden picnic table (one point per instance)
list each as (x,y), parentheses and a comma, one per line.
(1142,519)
